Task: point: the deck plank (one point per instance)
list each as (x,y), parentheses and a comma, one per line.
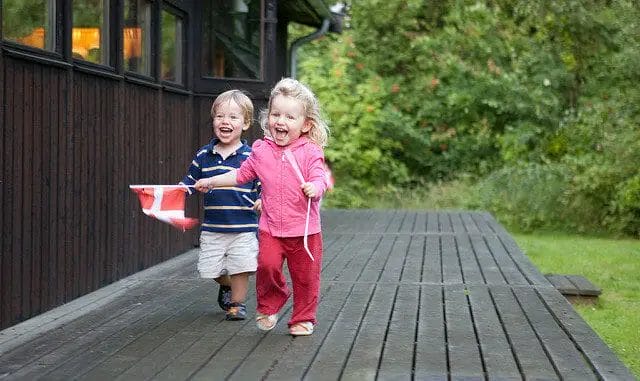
(405,295)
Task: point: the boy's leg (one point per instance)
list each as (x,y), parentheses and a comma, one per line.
(271,286)
(239,287)
(210,265)
(224,291)
(305,277)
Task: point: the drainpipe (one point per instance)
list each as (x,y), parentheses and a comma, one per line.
(293,51)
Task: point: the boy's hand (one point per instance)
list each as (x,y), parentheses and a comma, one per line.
(309,189)
(204,185)
(257,206)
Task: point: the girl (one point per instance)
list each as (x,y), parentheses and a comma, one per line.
(289,162)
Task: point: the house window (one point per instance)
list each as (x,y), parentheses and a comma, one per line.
(30,22)
(231,38)
(172,35)
(90,33)
(137,36)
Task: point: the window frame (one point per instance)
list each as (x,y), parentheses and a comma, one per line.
(214,85)
(153,22)
(182,15)
(58,44)
(112,20)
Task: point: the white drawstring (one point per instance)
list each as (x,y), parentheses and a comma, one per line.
(292,160)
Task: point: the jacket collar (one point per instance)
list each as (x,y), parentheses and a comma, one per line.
(212,144)
(303,140)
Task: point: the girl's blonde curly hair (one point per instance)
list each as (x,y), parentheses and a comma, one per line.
(289,87)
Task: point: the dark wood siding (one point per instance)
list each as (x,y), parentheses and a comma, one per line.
(74,136)
(72,142)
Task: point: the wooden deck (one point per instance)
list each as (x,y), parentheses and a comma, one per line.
(405,295)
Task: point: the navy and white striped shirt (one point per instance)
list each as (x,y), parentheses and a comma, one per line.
(225,210)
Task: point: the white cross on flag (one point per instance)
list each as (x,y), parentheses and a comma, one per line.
(165,203)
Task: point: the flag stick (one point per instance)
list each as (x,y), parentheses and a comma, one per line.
(161,186)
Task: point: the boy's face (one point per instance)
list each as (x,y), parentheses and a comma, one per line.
(229,122)
(287,120)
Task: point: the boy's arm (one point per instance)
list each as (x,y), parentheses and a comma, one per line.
(227,179)
(193,174)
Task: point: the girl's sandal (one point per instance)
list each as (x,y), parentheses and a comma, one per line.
(266,322)
(301,329)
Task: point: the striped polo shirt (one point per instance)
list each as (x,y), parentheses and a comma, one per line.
(225,209)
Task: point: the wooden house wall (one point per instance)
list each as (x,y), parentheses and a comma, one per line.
(72,142)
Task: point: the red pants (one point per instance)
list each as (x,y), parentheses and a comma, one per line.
(271,286)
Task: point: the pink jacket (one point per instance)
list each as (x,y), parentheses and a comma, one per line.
(284,205)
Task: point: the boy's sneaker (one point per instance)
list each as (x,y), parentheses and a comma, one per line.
(224,297)
(237,311)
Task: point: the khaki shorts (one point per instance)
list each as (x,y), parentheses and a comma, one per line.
(227,254)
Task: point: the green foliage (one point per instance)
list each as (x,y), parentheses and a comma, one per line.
(20,17)
(536,101)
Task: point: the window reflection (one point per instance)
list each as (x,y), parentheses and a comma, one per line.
(30,22)
(171,49)
(232,35)
(136,36)
(90,31)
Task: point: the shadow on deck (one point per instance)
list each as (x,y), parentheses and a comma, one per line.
(405,295)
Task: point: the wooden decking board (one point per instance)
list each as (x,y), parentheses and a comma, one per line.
(432,264)
(153,344)
(599,355)
(567,359)
(465,360)
(81,347)
(451,271)
(470,263)
(432,223)
(301,351)
(497,354)
(481,257)
(412,271)
(404,295)
(61,343)
(373,268)
(398,352)
(364,357)
(97,352)
(469,223)
(395,264)
(444,223)
(529,352)
(508,268)
(526,267)
(332,355)
(431,345)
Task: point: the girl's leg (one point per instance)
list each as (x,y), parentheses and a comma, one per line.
(271,286)
(305,276)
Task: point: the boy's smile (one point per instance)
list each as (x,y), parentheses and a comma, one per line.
(228,123)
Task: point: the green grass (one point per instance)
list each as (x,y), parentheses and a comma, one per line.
(611,264)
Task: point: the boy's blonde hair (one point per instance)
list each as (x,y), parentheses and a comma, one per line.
(289,87)
(241,100)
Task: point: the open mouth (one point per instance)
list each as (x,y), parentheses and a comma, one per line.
(225,130)
(280,133)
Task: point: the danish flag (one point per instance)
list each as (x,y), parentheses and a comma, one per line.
(165,203)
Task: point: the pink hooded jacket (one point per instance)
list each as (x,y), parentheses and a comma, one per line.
(284,205)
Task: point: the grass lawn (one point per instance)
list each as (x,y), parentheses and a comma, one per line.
(611,264)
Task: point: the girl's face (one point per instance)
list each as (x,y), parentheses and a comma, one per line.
(287,120)
(228,123)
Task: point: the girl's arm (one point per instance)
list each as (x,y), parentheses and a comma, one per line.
(227,179)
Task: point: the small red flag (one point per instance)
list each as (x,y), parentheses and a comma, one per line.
(165,203)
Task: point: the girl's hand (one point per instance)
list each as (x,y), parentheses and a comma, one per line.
(204,185)
(309,189)
(258,206)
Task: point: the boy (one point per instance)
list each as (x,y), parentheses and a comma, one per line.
(228,242)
